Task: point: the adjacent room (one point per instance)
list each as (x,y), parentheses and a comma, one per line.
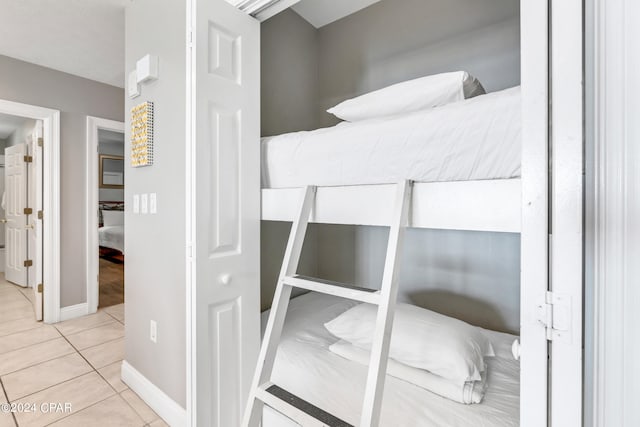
(111,208)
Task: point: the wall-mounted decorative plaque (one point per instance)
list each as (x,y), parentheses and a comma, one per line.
(142,135)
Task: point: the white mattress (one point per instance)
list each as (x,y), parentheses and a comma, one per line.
(112,237)
(306,367)
(475,139)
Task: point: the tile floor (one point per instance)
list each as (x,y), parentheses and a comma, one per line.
(76,362)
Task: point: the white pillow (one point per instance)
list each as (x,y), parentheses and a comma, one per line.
(413,95)
(112,218)
(421,338)
(467,392)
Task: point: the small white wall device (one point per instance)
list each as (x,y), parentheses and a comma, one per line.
(147,68)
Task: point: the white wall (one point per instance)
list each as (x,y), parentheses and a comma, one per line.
(76,98)
(21,134)
(155,244)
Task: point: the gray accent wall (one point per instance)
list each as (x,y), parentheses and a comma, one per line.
(155,245)
(289,74)
(397,40)
(76,98)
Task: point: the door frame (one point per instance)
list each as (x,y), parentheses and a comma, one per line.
(51,201)
(92,193)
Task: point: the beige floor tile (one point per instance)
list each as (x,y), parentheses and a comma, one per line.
(139,406)
(116,311)
(39,377)
(79,393)
(9,297)
(158,423)
(18,325)
(74,326)
(6,420)
(112,412)
(112,373)
(101,334)
(34,354)
(16,310)
(26,338)
(105,354)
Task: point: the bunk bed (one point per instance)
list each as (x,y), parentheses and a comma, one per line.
(464,159)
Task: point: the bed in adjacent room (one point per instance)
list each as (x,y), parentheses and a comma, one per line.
(111,233)
(306,368)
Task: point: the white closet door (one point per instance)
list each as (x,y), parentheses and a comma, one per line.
(225,163)
(34,222)
(16,202)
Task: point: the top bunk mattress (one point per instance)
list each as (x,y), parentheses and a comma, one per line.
(474,139)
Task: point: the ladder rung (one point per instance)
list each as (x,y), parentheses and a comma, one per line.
(371,296)
(299,410)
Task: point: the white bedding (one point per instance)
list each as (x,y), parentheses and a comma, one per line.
(474,139)
(112,237)
(306,367)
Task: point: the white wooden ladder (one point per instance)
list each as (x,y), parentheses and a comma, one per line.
(263,391)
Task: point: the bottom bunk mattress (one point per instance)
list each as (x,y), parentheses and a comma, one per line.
(305,367)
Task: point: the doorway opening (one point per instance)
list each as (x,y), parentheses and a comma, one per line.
(29,208)
(105,213)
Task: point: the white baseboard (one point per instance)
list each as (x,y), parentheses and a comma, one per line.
(171,412)
(73,311)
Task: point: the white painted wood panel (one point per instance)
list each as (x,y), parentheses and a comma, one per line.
(16,201)
(534,234)
(496,205)
(566,262)
(224,231)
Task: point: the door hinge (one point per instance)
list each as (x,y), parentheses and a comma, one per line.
(555,314)
(27,211)
(40,214)
(39,288)
(28,159)
(28,263)
(40,142)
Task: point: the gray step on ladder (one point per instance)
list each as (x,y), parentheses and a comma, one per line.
(304,413)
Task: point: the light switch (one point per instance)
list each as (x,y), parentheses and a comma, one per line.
(144,204)
(153,203)
(136,204)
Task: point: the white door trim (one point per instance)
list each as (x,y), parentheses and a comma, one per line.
(534,233)
(51,202)
(92,193)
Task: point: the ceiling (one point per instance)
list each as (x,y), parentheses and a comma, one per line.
(8,124)
(80,37)
(86,37)
(322,12)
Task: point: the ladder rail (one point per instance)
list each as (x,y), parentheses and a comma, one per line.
(370,415)
(273,331)
(385,299)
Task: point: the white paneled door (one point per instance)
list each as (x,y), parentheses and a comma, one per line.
(225,201)
(34,219)
(16,225)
